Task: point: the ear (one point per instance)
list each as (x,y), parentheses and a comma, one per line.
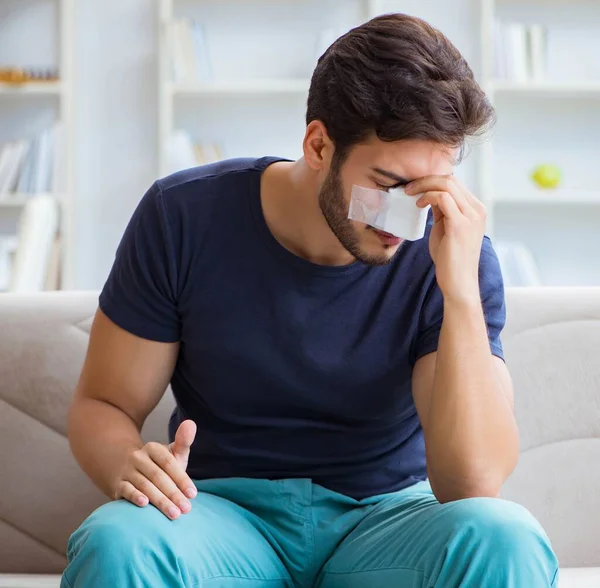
(317,146)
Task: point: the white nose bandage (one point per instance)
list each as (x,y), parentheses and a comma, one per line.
(394,212)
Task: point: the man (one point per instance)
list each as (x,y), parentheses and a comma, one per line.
(343,411)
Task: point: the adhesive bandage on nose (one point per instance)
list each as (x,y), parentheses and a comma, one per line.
(394,212)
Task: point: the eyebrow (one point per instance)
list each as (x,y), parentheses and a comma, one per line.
(400,181)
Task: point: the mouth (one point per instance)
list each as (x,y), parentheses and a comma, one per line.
(387,238)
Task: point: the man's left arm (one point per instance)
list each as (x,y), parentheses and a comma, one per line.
(462,392)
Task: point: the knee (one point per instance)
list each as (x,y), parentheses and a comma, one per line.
(500,528)
(112,532)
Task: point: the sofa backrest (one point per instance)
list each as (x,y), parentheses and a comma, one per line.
(551,342)
(44,496)
(552,347)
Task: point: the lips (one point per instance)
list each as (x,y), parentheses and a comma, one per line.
(386,234)
(387,238)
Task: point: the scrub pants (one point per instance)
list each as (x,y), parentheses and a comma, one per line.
(246,533)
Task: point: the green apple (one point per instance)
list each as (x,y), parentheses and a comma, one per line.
(546,176)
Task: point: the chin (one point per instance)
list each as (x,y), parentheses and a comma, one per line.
(381,255)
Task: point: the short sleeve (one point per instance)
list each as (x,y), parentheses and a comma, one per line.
(491,286)
(140,294)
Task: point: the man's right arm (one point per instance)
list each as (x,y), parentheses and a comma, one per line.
(123,379)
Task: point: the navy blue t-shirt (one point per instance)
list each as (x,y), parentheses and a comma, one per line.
(289,369)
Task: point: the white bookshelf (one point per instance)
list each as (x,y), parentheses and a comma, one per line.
(550,119)
(230,107)
(257,86)
(49,88)
(558,196)
(545,88)
(41,103)
(14,201)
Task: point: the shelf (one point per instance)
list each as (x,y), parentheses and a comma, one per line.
(13,200)
(258,86)
(43,88)
(19,200)
(545,88)
(558,196)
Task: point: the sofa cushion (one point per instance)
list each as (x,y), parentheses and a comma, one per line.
(551,344)
(569,578)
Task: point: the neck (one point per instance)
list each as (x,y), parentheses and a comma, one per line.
(290,203)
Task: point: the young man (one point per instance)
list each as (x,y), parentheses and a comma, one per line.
(344,417)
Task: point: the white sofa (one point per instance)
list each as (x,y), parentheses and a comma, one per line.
(552,344)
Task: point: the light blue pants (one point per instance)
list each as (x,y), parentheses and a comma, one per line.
(260,533)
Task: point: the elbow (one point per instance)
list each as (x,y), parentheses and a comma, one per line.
(452,490)
(473,479)
(445,495)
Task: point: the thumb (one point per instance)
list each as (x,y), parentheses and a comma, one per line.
(184,437)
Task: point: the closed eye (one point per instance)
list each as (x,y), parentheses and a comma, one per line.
(385,188)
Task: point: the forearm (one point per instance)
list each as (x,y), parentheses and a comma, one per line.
(471,436)
(101,436)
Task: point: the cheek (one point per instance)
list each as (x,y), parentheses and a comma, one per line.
(367,202)
(370,198)
(360,228)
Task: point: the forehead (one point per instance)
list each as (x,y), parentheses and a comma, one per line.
(413,158)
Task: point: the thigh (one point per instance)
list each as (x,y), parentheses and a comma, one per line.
(411,540)
(216,544)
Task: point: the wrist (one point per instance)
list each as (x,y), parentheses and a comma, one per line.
(467,300)
(463,291)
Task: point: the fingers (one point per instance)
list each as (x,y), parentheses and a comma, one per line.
(141,492)
(167,462)
(147,466)
(443,201)
(184,437)
(129,492)
(466,202)
(154,476)
(154,495)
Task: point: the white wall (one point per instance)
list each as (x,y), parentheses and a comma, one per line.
(115,125)
(116,116)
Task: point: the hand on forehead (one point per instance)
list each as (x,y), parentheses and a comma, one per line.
(397,163)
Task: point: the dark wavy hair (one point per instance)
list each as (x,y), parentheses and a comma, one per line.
(398,77)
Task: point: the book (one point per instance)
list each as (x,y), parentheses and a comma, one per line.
(189,51)
(537,51)
(57,173)
(211,153)
(43,165)
(31,166)
(25,181)
(520,51)
(38,227)
(175,48)
(184,153)
(518,264)
(180,151)
(500,66)
(202,57)
(14,164)
(6,156)
(517,52)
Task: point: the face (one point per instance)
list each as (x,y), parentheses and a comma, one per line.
(380,165)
